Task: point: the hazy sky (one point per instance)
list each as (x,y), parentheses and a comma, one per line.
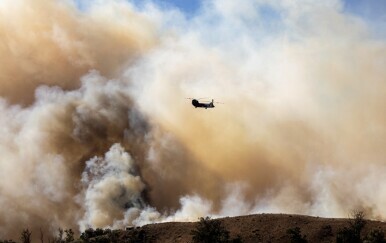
(372,11)
(367,8)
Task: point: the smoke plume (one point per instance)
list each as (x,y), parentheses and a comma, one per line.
(96,130)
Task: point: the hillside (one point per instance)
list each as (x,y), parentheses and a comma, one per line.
(251,228)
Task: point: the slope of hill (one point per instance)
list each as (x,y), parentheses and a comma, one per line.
(251,228)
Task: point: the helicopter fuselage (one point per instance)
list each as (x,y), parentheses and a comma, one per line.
(196,104)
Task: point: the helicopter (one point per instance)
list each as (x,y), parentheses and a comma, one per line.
(198,104)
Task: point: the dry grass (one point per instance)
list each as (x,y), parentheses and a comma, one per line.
(254,228)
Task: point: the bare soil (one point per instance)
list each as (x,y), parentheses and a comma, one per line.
(254,228)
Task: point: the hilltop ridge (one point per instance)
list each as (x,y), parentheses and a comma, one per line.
(251,228)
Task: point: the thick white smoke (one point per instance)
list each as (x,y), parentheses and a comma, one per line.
(96,130)
(304,87)
(112,185)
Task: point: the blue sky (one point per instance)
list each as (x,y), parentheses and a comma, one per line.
(371,9)
(187,6)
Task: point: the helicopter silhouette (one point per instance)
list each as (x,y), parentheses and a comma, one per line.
(198,104)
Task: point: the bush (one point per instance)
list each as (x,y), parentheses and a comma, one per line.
(99,232)
(347,235)
(375,236)
(25,236)
(237,239)
(87,234)
(325,232)
(100,239)
(210,231)
(55,239)
(138,236)
(352,234)
(358,222)
(69,236)
(296,236)
(91,233)
(114,235)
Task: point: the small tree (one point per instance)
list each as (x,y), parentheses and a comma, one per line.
(138,235)
(358,222)
(296,235)
(325,232)
(41,236)
(87,234)
(25,236)
(59,239)
(352,234)
(114,235)
(375,236)
(209,231)
(69,235)
(238,239)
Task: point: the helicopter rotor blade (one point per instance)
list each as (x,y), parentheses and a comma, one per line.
(207,100)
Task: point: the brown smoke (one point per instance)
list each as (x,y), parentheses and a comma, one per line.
(302,129)
(96,130)
(50,42)
(45,145)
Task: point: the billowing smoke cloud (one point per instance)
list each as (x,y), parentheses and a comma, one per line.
(96,130)
(50,42)
(112,185)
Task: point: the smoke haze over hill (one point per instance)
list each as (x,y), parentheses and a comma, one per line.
(96,130)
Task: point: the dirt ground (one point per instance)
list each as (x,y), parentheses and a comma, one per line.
(256,228)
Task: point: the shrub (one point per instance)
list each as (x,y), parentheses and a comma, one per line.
(25,236)
(325,232)
(69,236)
(352,234)
(138,236)
(358,222)
(99,232)
(347,235)
(237,239)
(296,236)
(100,239)
(210,231)
(90,233)
(87,234)
(375,236)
